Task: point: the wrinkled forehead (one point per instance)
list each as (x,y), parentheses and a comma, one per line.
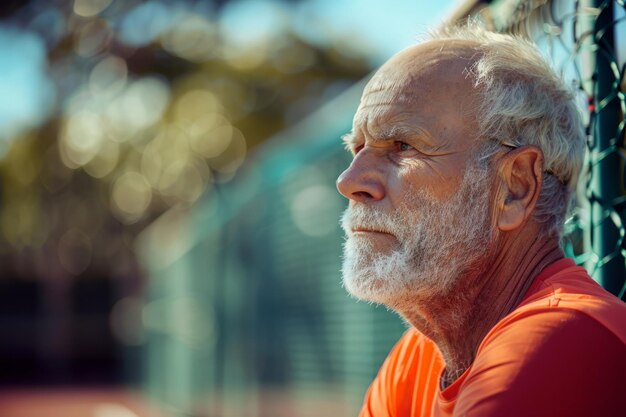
(436,71)
(419,65)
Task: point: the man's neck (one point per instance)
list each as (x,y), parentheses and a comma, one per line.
(459,323)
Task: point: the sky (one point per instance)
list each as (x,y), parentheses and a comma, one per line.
(377,28)
(26,90)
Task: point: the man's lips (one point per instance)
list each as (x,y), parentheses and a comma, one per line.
(360,230)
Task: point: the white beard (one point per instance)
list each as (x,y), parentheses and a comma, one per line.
(438,243)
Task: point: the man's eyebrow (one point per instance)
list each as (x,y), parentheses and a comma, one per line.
(348,140)
(398,132)
(404,132)
(395,132)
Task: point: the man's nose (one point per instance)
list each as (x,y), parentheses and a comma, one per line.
(361,182)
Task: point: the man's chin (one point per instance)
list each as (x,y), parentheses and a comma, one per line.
(371,289)
(370,281)
(363,284)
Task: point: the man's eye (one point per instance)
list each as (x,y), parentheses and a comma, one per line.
(402,146)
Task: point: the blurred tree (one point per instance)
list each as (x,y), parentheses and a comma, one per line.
(154,105)
(135,108)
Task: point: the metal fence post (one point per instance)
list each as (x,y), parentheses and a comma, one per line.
(606,229)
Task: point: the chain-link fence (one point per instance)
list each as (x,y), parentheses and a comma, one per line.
(586,42)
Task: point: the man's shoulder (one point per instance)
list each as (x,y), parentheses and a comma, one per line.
(542,329)
(570,290)
(560,362)
(566,340)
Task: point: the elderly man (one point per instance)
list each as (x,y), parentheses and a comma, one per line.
(467,149)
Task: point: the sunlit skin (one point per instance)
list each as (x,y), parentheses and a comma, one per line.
(415,129)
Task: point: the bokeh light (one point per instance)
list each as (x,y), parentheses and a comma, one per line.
(194,40)
(108,77)
(144,23)
(92,38)
(89,8)
(131,197)
(308,208)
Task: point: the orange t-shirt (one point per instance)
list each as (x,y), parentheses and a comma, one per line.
(561,352)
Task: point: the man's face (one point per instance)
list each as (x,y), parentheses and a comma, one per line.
(419,213)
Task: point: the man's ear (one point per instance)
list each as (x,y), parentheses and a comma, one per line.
(521,172)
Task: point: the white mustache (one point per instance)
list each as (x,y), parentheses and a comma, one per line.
(363,218)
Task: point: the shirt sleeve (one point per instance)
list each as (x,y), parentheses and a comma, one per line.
(551,363)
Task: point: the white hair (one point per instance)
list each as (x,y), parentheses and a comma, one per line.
(524,102)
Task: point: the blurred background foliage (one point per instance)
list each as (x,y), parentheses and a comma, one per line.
(167,214)
(135,108)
